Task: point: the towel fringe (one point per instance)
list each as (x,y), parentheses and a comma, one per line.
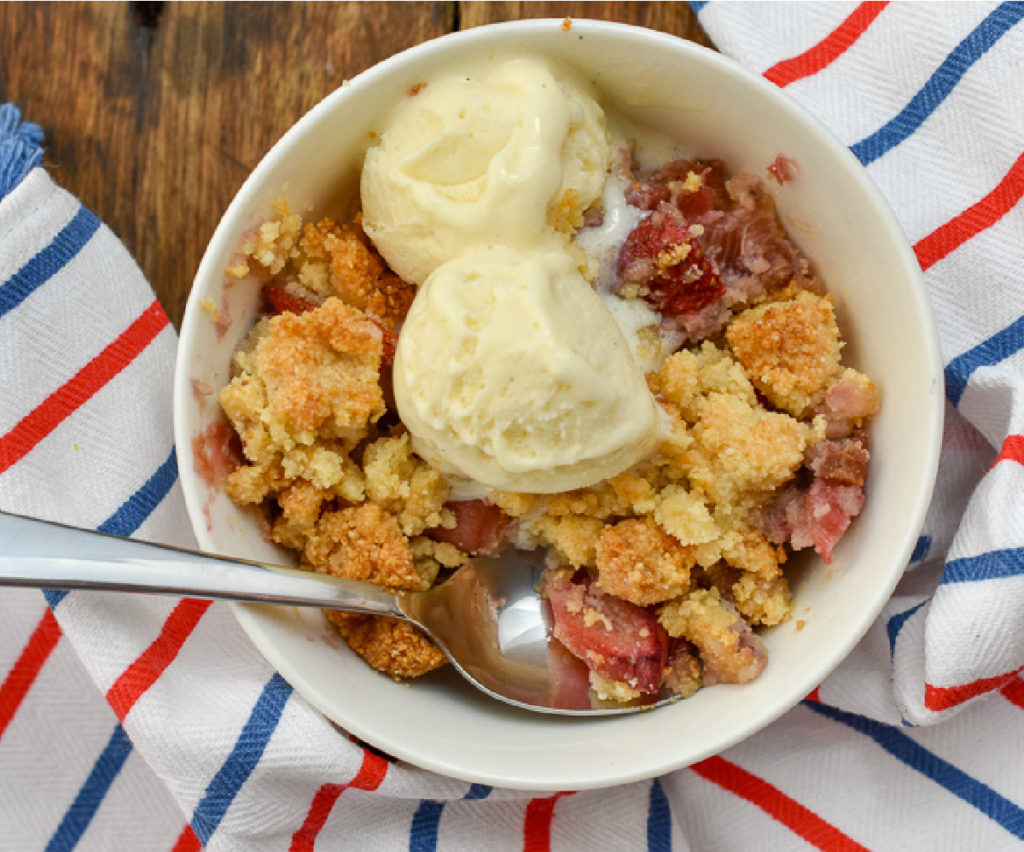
(20,147)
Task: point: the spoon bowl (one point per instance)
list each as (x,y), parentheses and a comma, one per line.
(487,618)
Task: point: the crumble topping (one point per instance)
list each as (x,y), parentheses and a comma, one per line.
(789,350)
(730,652)
(362,543)
(309,379)
(388,644)
(666,567)
(642,564)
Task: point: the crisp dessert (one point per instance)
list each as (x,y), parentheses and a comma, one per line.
(533,336)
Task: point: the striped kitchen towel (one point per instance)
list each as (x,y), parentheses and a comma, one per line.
(929,98)
(154,724)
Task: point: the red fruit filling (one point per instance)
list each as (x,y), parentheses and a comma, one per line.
(389,338)
(816,516)
(216,451)
(674,275)
(281,300)
(783,169)
(479,527)
(614,638)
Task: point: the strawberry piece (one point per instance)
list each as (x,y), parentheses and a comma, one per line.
(389,339)
(281,300)
(662,256)
(478,527)
(618,640)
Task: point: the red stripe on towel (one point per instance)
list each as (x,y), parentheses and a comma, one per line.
(370,776)
(944,697)
(975,219)
(537,822)
(826,51)
(1012,450)
(152,662)
(800,820)
(1014,692)
(53,410)
(27,667)
(187,841)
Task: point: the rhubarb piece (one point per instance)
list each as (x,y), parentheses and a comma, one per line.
(823,516)
(618,640)
(479,527)
(281,300)
(818,515)
(842,462)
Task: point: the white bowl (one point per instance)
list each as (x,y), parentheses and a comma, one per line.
(833,211)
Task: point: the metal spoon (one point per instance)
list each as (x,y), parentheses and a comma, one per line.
(487,618)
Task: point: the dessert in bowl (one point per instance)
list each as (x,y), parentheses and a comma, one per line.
(700,111)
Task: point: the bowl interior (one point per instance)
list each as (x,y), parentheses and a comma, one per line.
(837,217)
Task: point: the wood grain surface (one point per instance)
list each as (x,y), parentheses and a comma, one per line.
(155,113)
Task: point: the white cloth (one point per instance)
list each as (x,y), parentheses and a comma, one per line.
(200,742)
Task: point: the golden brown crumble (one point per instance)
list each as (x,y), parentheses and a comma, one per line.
(341,261)
(565,214)
(639,562)
(739,448)
(300,503)
(363,543)
(389,645)
(311,377)
(573,537)
(762,601)
(405,485)
(789,350)
(702,618)
(685,515)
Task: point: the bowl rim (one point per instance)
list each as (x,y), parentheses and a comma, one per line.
(226,231)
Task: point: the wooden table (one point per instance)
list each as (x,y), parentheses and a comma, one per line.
(155,113)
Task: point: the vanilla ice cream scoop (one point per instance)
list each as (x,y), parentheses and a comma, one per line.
(510,371)
(498,155)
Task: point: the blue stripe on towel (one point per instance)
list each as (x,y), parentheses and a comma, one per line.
(659,820)
(996,348)
(994,565)
(77,817)
(425,822)
(956,781)
(940,84)
(895,625)
(246,753)
(427,819)
(68,242)
(133,511)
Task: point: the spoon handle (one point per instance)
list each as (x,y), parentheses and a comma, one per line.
(42,554)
